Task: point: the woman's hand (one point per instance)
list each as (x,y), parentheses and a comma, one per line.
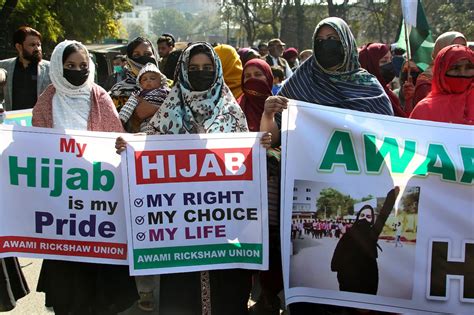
(393,194)
(144,109)
(266,140)
(120,145)
(275,104)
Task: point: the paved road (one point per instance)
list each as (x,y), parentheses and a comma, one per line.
(396,266)
(33,303)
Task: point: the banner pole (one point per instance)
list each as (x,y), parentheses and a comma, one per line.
(407,42)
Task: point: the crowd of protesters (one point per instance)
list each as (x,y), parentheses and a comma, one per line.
(206,89)
(320,228)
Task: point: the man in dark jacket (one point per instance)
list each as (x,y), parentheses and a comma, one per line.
(24,77)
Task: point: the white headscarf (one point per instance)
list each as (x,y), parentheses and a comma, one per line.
(71,104)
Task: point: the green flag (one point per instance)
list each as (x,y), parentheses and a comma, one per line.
(421,41)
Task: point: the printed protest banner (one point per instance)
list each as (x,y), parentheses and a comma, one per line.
(61,196)
(378,211)
(195,202)
(18,117)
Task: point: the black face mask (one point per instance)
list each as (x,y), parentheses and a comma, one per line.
(201,80)
(328,52)
(143,60)
(76,77)
(388,72)
(363,225)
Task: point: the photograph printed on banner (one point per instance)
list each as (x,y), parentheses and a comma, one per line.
(349,239)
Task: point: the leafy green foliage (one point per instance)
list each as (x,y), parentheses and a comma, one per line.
(409,201)
(333,203)
(172,21)
(370,21)
(83,20)
(452,16)
(256,17)
(134,30)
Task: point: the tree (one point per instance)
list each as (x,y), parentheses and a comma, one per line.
(5,12)
(7,9)
(300,18)
(83,20)
(300,22)
(204,26)
(90,20)
(376,21)
(227,13)
(268,13)
(172,21)
(134,30)
(244,18)
(410,200)
(331,202)
(454,15)
(338,9)
(255,16)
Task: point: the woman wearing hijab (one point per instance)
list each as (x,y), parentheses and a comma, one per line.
(291,56)
(452,96)
(406,92)
(331,77)
(247,54)
(376,58)
(200,102)
(257,83)
(423,84)
(232,68)
(74,101)
(203,112)
(355,256)
(140,51)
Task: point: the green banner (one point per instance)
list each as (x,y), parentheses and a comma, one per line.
(197,255)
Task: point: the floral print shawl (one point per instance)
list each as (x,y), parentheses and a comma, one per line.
(212,111)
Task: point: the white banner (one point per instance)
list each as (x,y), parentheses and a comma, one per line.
(196,202)
(348,239)
(61,196)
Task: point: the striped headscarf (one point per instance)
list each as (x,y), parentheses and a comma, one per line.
(211,111)
(349,86)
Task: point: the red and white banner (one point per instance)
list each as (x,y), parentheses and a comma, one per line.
(195,202)
(61,196)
